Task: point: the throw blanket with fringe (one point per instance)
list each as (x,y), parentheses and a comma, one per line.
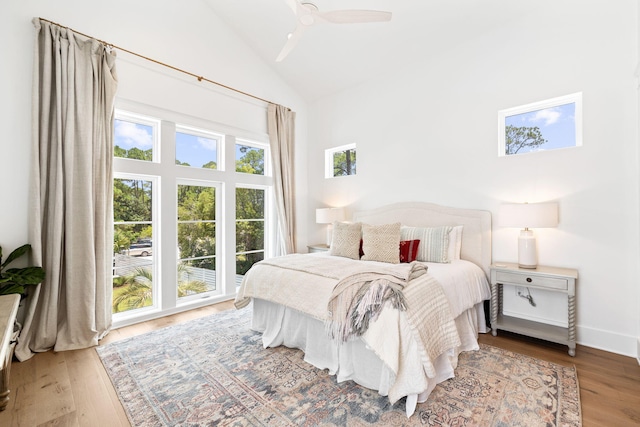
(358,299)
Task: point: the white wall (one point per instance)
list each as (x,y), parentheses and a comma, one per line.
(638,127)
(188,37)
(428,132)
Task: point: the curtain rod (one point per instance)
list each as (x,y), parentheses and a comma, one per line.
(200,78)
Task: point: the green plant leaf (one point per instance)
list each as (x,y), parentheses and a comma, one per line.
(24,276)
(17,253)
(11,288)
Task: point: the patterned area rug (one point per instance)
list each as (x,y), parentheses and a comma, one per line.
(213,371)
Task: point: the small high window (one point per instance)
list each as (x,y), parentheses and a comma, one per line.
(340,161)
(541,126)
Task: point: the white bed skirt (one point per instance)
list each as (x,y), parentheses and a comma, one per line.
(354,360)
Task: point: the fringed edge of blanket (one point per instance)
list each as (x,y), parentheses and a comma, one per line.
(365,308)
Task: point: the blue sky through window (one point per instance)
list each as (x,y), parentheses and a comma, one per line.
(129,135)
(557,125)
(196,150)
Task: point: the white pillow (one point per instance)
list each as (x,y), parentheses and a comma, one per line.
(381,243)
(345,240)
(455,242)
(434,242)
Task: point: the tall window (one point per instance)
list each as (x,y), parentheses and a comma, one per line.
(175,246)
(133,265)
(250,237)
(196,240)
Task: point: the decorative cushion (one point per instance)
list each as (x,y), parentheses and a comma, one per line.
(345,240)
(434,242)
(409,250)
(455,242)
(381,242)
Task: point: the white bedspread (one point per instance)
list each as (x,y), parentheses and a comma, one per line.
(463,282)
(390,337)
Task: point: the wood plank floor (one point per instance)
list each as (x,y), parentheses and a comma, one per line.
(72,388)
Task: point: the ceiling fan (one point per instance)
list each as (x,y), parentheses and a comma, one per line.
(308,15)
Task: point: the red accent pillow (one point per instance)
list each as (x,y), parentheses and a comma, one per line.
(361,251)
(409,250)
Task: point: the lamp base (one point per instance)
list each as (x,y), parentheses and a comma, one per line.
(527,255)
(532,267)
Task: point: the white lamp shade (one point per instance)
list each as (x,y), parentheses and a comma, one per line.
(528,215)
(329,215)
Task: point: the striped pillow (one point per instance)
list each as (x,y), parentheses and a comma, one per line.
(434,242)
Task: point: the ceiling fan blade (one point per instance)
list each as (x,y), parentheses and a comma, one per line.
(293,5)
(354,16)
(291,43)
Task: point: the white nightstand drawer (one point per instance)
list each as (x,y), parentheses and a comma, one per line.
(533,280)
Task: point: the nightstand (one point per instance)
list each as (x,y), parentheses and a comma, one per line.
(320,247)
(561,280)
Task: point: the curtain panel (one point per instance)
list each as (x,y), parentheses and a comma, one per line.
(281,127)
(71,205)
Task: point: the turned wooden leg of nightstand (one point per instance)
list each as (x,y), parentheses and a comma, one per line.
(572,325)
(494,309)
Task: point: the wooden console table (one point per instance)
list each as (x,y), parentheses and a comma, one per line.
(8,312)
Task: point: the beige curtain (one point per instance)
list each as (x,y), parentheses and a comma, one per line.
(71,205)
(281,125)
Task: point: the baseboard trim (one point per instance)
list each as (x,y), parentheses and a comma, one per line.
(626,345)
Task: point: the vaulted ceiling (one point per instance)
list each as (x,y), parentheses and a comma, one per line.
(332,57)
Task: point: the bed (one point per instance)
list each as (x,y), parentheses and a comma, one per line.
(399,353)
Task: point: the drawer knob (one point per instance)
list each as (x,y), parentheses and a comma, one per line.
(529,279)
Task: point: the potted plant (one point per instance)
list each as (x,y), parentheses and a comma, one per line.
(14,280)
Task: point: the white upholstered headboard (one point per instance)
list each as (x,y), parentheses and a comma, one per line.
(476,233)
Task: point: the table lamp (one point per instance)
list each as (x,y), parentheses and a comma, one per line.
(328,216)
(525,216)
